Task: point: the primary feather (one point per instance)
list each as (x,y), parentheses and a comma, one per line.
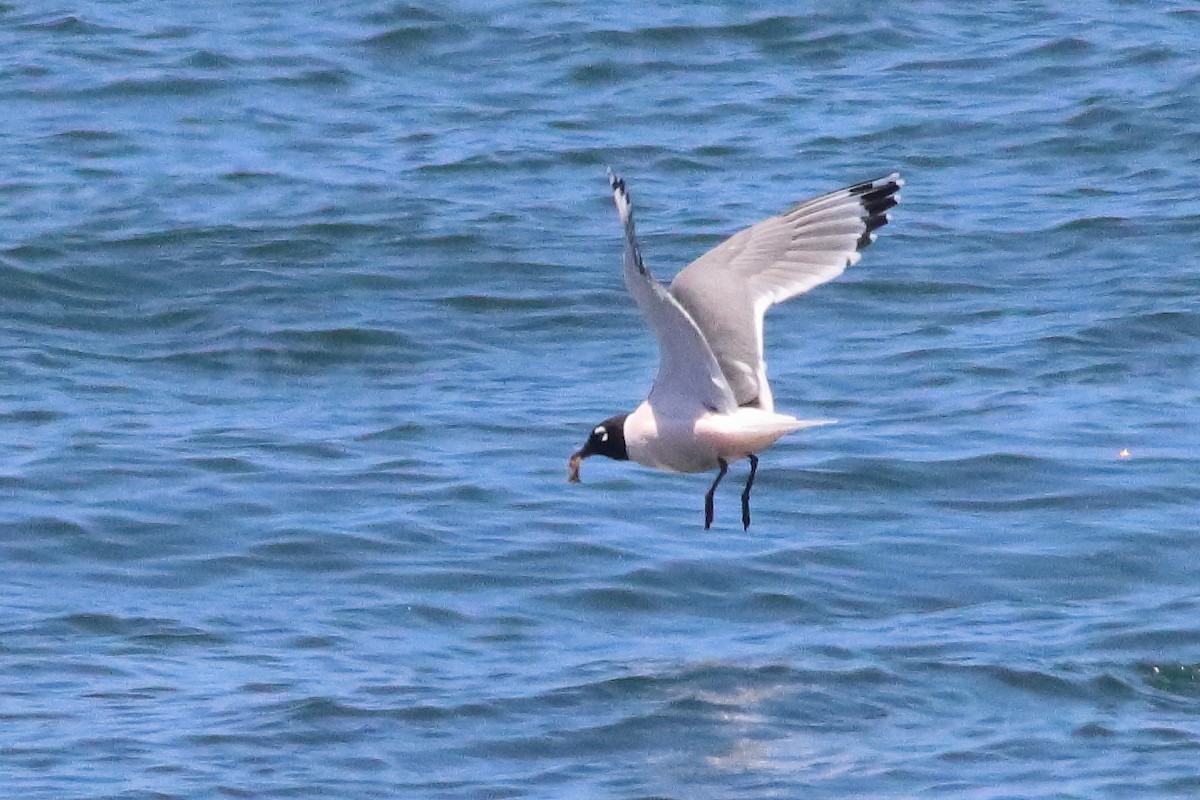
(727,290)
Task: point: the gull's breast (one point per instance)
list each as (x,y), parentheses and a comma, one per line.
(656,438)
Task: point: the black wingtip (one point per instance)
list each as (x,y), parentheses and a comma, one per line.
(876,197)
(615,181)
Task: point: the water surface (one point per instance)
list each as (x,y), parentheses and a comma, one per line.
(304,308)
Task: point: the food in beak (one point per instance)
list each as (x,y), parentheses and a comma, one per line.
(573,467)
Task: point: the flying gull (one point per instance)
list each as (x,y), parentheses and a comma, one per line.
(711,403)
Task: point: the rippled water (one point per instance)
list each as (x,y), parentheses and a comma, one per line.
(305,306)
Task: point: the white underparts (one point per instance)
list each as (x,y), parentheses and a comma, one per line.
(697,441)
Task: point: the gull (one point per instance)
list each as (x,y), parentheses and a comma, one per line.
(710,403)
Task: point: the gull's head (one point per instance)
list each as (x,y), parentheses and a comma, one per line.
(606,439)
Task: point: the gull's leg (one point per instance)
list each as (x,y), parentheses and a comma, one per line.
(708,498)
(746,492)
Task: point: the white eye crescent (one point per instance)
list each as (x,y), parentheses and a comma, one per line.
(602,433)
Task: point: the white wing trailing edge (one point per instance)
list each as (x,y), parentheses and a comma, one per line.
(728,289)
(688,371)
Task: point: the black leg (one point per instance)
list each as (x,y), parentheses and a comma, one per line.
(746,492)
(708,498)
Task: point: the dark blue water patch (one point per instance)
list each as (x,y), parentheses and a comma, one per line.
(280,353)
(1068,47)
(224,465)
(140,636)
(31,416)
(66,25)
(205,59)
(1181,680)
(99,144)
(312,551)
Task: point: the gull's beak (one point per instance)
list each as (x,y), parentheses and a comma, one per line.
(573,465)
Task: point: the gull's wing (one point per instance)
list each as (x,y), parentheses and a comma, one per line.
(728,289)
(688,372)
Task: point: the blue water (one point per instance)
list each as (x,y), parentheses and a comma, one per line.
(303,307)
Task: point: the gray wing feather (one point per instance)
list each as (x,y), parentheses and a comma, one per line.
(728,289)
(688,372)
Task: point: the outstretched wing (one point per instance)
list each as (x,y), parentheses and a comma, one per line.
(688,372)
(728,289)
